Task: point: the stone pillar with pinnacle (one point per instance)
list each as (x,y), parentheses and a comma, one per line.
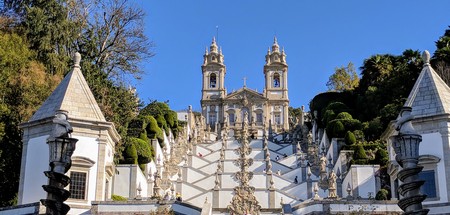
(61,147)
(244,200)
(406,146)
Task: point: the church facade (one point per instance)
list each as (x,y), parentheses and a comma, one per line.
(269,107)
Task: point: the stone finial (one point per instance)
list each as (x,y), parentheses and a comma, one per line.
(76,60)
(426,57)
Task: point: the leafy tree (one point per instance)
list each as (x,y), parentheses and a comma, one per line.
(23,86)
(49,33)
(441,57)
(343,78)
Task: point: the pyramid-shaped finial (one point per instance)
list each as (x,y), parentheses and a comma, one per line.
(426,57)
(76,60)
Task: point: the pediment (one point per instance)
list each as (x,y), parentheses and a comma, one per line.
(245,93)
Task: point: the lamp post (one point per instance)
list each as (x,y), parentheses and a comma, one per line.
(61,148)
(406,146)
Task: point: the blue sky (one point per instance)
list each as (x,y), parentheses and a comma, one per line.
(318,36)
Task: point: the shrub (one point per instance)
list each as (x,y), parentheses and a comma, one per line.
(153,130)
(171,119)
(162,124)
(359,135)
(382,194)
(351,124)
(136,127)
(335,129)
(344,115)
(118,198)
(143,149)
(130,154)
(328,116)
(360,153)
(381,156)
(350,138)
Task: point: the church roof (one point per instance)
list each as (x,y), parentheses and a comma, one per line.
(72,95)
(430,94)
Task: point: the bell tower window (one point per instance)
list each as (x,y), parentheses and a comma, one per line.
(276,80)
(212,80)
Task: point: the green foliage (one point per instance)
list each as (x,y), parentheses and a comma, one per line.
(359,135)
(382,194)
(335,129)
(130,154)
(143,150)
(350,138)
(118,198)
(343,78)
(136,127)
(374,129)
(155,108)
(381,156)
(171,119)
(344,116)
(50,33)
(153,130)
(328,116)
(360,153)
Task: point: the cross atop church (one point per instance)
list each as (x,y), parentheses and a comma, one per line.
(245,81)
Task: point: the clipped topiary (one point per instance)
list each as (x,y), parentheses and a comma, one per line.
(360,153)
(335,128)
(136,127)
(153,130)
(130,154)
(143,149)
(162,123)
(350,138)
(344,115)
(328,116)
(382,194)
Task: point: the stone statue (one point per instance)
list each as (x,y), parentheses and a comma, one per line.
(61,127)
(332,185)
(323,164)
(246,118)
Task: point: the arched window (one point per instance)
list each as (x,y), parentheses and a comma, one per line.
(276,80)
(212,80)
